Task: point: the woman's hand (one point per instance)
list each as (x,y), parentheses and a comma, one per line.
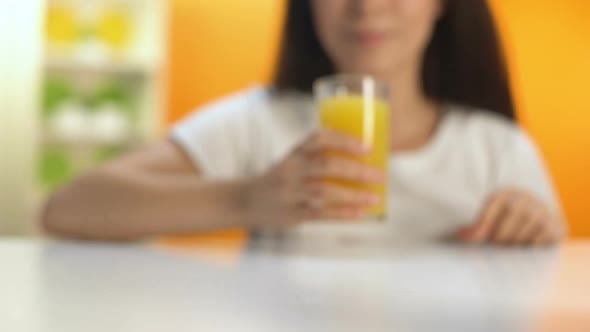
(513,217)
(296,189)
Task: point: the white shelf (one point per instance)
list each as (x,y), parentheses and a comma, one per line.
(90,64)
(89,142)
(109,67)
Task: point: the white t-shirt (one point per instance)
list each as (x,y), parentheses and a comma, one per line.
(433,191)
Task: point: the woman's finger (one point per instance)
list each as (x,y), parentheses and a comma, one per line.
(527,230)
(345,213)
(492,213)
(549,234)
(331,194)
(327,167)
(543,238)
(516,215)
(504,228)
(328,140)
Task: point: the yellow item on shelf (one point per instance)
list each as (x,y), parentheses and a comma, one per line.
(61,26)
(114,28)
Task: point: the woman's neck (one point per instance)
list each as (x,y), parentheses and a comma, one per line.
(414,117)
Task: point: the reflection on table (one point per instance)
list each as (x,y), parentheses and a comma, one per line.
(286,286)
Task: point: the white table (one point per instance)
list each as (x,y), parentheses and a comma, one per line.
(74,287)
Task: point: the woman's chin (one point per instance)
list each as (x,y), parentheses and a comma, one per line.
(375,69)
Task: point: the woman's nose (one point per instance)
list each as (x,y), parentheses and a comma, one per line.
(370,7)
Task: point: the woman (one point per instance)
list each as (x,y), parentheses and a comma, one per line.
(459,164)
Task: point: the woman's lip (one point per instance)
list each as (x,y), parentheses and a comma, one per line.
(369,38)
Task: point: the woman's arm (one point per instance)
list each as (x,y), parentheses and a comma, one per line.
(523,209)
(516,217)
(150,192)
(155,191)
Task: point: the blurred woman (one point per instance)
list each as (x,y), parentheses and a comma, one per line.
(459,164)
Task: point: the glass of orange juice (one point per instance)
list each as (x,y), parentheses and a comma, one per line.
(359,106)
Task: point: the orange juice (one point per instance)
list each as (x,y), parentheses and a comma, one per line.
(368,120)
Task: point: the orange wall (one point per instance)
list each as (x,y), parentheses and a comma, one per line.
(220,46)
(217,47)
(548,43)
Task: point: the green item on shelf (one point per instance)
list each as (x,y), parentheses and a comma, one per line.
(108,153)
(56,167)
(55,92)
(112,93)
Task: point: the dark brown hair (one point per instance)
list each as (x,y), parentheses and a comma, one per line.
(463,63)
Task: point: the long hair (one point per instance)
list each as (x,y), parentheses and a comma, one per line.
(463,62)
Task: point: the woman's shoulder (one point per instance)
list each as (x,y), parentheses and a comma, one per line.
(481,119)
(240,100)
(483,124)
(257,101)
(488,131)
